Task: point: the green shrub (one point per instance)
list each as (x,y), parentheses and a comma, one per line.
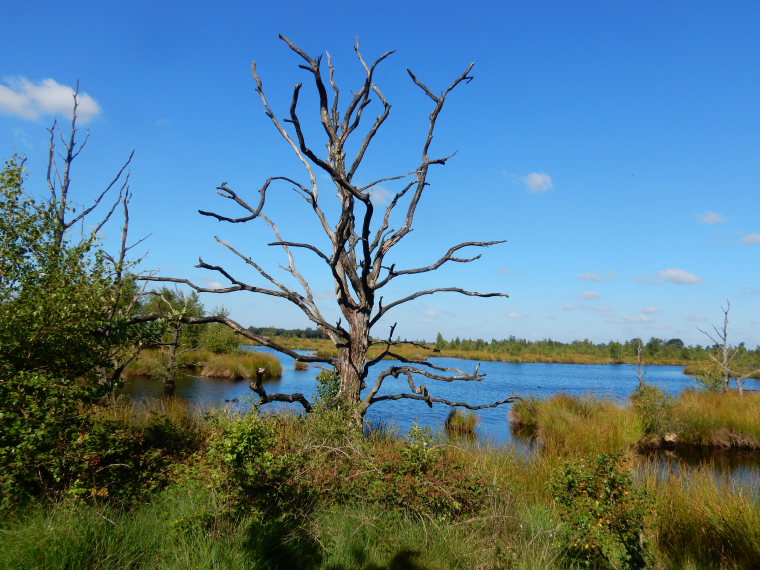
(655,408)
(219,339)
(328,384)
(603,513)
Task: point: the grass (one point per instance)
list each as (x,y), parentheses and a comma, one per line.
(322,496)
(461,424)
(241,366)
(576,426)
(702,522)
(723,420)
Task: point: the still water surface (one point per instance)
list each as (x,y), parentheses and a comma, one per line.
(503,379)
(615,382)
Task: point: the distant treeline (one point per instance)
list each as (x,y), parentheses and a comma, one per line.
(654,348)
(292,333)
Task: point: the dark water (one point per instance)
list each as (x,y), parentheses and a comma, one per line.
(503,379)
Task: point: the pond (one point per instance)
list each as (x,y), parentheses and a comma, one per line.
(503,379)
(616,382)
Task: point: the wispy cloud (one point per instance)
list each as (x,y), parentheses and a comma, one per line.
(751,238)
(514,315)
(429,315)
(638,319)
(380,196)
(28,100)
(570,307)
(650,310)
(679,276)
(590,295)
(590,277)
(711,218)
(506,271)
(609,274)
(538,182)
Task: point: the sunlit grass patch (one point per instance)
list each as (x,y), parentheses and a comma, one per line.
(242,366)
(719,419)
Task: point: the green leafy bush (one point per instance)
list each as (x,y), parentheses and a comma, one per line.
(655,409)
(603,513)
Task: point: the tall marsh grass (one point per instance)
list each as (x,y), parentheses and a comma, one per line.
(242,366)
(579,426)
(717,419)
(703,522)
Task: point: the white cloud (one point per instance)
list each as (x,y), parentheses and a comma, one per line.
(569,307)
(380,196)
(590,277)
(30,100)
(712,218)
(638,319)
(590,295)
(429,315)
(506,271)
(538,182)
(161,122)
(604,310)
(609,274)
(751,238)
(514,315)
(650,310)
(679,276)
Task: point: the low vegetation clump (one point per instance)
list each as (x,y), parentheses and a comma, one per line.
(722,420)
(242,366)
(237,365)
(574,426)
(461,424)
(603,511)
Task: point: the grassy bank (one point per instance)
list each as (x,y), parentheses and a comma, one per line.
(326,348)
(279,491)
(703,419)
(239,365)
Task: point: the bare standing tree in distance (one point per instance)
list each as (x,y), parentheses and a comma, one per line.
(360,239)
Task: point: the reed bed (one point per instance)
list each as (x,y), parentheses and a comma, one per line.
(723,420)
(242,366)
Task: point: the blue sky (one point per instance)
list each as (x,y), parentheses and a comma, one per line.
(613,144)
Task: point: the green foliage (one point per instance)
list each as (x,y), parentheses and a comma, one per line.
(603,513)
(62,308)
(40,419)
(258,463)
(655,408)
(328,384)
(49,443)
(219,339)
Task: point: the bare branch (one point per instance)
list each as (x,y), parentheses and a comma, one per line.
(265,398)
(448,256)
(413,296)
(431,400)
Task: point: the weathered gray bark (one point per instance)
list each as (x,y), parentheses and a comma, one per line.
(360,239)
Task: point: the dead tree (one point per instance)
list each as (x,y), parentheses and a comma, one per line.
(63,152)
(726,358)
(360,240)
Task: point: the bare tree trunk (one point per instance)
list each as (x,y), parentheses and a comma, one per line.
(357,252)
